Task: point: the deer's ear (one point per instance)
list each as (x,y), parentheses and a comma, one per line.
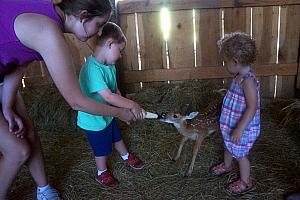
(192,115)
(184,109)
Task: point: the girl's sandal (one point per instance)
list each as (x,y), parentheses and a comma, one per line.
(220,169)
(239,187)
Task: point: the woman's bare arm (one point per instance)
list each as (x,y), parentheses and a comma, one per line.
(46,37)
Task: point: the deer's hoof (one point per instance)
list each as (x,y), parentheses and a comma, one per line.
(188,174)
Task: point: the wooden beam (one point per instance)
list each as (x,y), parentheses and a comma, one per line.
(203,73)
(133,6)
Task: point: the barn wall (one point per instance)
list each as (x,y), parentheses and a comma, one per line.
(191,52)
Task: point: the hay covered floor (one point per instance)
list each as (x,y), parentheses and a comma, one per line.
(70,165)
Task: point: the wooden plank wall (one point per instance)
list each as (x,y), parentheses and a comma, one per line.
(258,18)
(288,46)
(208,37)
(149,60)
(265,29)
(130,58)
(142,6)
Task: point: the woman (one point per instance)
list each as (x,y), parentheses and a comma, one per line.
(34,30)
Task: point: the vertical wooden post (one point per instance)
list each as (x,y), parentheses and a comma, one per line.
(181,39)
(298,75)
(130,57)
(265,31)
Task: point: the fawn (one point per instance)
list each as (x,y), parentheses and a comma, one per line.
(195,126)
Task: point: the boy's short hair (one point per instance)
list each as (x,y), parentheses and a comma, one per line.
(113,31)
(239,46)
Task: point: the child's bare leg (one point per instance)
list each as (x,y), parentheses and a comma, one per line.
(121,148)
(15,152)
(103,176)
(129,159)
(101,163)
(227,159)
(244,165)
(36,161)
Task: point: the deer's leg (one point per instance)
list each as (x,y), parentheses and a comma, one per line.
(195,152)
(183,140)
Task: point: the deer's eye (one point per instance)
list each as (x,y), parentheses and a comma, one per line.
(175,116)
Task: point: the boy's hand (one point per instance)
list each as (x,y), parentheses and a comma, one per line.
(236,135)
(15,124)
(137,111)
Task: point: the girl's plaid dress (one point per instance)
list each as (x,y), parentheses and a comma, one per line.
(234,105)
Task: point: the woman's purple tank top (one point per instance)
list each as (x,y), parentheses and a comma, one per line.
(12,51)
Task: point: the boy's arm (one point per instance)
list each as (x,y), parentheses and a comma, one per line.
(118,92)
(116,99)
(11,84)
(122,102)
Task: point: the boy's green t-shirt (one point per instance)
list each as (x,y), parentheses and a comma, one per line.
(93,78)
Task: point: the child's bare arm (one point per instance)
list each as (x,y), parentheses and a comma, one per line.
(118,92)
(11,84)
(249,86)
(122,102)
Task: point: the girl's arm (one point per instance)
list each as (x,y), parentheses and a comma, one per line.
(249,86)
(122,102)
(11,84)
(44,36)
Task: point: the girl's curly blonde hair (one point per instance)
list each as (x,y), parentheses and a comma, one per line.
(238,45)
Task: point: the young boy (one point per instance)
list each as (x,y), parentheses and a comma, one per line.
(98,81)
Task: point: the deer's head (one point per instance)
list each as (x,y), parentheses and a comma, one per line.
(177,118)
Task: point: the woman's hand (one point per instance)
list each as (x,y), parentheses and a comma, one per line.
(126,115)
(15,123)
(137,111)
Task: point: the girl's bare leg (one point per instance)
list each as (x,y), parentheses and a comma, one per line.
(227,159)
(244,165)
(15,152)
(35,162)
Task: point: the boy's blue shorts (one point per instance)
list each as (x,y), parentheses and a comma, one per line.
(102,141)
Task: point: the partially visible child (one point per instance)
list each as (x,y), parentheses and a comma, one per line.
(30,151)
(98,81)
(240,116)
